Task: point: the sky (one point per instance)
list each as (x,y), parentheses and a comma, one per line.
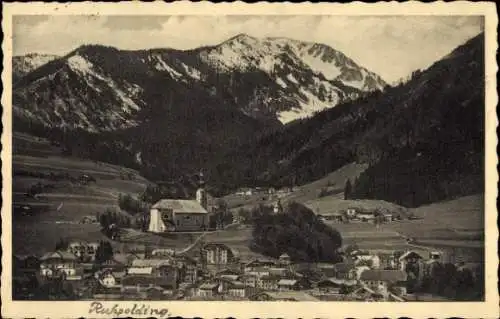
(391,46)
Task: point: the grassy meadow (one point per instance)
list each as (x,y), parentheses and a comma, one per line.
(39,233)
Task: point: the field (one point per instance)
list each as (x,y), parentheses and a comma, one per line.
(39,233)
(333,182)
(454,227)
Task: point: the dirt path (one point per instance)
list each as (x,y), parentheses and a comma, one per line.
(191,246)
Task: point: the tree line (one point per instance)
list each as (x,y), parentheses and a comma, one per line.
(296,231)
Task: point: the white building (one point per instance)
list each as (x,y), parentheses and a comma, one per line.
(179,214)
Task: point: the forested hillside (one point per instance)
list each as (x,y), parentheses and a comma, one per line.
(424,140)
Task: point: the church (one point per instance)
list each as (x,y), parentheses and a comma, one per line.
(171,215)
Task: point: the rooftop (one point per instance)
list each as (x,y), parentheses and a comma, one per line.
(64,255)
(287,282)
(181,206)
(151,263)
(209,286)
(140,270)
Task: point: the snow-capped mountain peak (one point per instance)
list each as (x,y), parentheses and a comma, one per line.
(269,79)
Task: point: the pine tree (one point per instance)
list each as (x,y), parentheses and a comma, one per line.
(104,252)
(348,189)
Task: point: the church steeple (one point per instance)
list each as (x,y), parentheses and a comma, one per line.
(278,208)
(201,195)
(201,179)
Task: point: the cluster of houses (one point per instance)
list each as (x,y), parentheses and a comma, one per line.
(214,271)
(251,191)
(357,215)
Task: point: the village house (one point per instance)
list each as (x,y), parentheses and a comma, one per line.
(60,262)
(278,207)
(219,255)
(256,263)
(249,280)
(268,282)
(222,284)
(108,278)
(163,271)
(279,271)
(259,272)
(229,277)
(351,213)
(159,267)
(238,289)
(208,290)
(284,260)
(83,250)
(188,269)
(412,263)
(329,286)
(366,216)
(142,283)
(345,270)
(162,252)
(382,281)
(292,284)
(140,271)
(388,217)
(409,258)
(118,262)
(388,260)
(227,273)
(372,261)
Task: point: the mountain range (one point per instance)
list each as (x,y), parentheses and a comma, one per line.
(99,88)
(169,113)
(423,139)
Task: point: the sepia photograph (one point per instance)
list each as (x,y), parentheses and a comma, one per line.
(258,157)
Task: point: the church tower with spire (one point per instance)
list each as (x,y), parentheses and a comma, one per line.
(201,194)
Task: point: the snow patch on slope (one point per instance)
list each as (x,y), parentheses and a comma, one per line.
(281,83)
(292,78)
(309,105)
(328,69)
(192,72)
(162,66)
(84,67)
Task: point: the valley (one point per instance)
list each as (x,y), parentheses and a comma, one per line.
(246,158)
